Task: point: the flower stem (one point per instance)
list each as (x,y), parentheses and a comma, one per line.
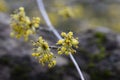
(55,32)
(53,47)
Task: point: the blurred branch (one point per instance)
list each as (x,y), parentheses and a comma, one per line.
(44,29)
(46,18)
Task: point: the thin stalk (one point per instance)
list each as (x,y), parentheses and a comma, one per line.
(47,20)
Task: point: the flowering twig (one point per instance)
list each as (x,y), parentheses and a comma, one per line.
(46,18)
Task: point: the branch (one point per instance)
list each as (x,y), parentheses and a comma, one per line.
(46,18)
(44,29)
(53,47)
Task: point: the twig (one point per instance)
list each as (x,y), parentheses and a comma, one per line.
(44,29)
(46,18)
(53,47)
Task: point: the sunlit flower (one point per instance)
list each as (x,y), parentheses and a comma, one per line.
(42,53)
(21,24)
(66,13)
(67,43)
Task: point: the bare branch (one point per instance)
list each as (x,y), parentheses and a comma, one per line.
(46,18)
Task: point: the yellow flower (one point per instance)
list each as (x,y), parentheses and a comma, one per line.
(75,42)
(21,24)
(51,64)
(60,41)
(42,53)
(67,43)
(21,9)
(67,13)
(60,52)
(63,34)
(35,22)
(63,49)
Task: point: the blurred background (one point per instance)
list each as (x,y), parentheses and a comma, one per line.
(86,14)
(95,22)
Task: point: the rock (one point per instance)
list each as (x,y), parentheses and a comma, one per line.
(4,18)
(4,73)
(99,51)
(103,30)
(117,66)
(118,39)
(98,57)
(61,61)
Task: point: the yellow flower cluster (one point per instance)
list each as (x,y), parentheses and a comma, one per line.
(66,13)
(22,26)
(67,43)
(42,53)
